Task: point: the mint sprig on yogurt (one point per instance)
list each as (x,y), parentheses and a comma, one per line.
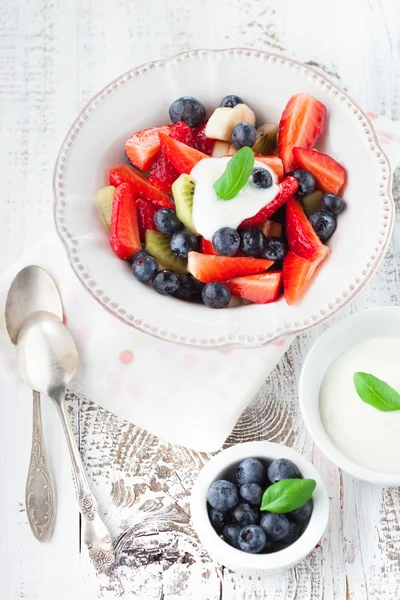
(376,392)
(236,174)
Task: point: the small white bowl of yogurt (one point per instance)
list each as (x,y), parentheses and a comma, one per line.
(359,438)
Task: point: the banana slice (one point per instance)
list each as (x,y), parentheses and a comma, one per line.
(220,149)
(222,122)
(232,150)
(247,114)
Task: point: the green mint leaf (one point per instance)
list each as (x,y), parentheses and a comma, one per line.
(287,495)
(236,174)
(376,392)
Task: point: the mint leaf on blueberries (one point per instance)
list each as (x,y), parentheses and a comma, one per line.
(376,392)
(236,174)
(287,495)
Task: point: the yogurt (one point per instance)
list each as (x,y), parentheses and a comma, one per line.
(366,435)
(210,213)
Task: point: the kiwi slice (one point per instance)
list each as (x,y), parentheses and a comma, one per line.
(312,203)
(267,139)
(104,199)
(158,245)
(183,191)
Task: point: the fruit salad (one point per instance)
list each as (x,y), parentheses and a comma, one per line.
(224,212)
(265,509)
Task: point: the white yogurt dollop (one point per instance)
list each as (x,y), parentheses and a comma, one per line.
(366,435)
(210,213)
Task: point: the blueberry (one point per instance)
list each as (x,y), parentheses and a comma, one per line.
(231,535)
(324,224)
(231,101)
(184,242)
(275,526)
(189,288)
(189,110)
(250,470)
(305,180)
(251,241)
(261,178)
(252,539)
(218,519)
(302,514)
(244,514)
(216,295)
(331,203)
(166,282)
(293,533)
(222,495)
(275,248)
(144,267)
(167,221)
(252,493)
(226,241)
(244,134)
(282,468)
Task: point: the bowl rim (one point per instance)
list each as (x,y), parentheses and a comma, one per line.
(234,340)
(232,557)
(317,432)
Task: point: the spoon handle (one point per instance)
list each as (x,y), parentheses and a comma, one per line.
(95,534)
(39,490)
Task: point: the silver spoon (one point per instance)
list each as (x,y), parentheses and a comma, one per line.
(48,360)
(33,290)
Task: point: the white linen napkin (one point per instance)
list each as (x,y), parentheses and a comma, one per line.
(189,396)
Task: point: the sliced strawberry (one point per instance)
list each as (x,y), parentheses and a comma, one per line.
(329,174)
(127,174)
(301,237)
(288,188)
(182,157)
(274,162)
(143,145)
(302,122)
(162,173)
(201,142)
(208,267)
(182,132)
(257,288)
(124,230)
(297,274)
(145,216)
(207,247)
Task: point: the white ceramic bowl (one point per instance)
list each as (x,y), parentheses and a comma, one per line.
(141,98)
(379,321)
(223,466)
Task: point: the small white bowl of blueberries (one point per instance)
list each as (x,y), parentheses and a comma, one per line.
(259,506)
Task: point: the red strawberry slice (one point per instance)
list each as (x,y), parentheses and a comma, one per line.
(302,122)
(208,267)
(182,157)
(124,231)
(207,247)
(288,188)
(329,174)
(182,132)
(274,162)
(127,174)
(143,145)
(301,237)
(162,172)
(201,142)
(257,288)
(297,274)
(145,216)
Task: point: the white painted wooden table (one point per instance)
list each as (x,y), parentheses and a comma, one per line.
(54,54)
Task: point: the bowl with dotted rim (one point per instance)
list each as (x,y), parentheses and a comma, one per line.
(140,98)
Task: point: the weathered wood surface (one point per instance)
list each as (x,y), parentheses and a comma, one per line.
(54,55)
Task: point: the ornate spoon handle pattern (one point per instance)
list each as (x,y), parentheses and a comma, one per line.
(39,491)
